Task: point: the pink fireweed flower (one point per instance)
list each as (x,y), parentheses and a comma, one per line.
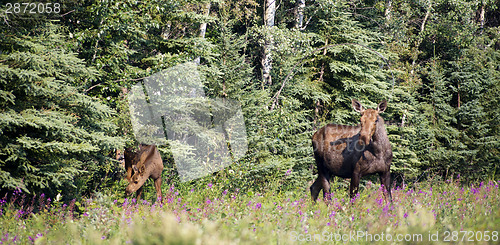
(257,206)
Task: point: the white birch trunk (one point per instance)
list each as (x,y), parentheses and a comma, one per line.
(269,14)
(299,18)
(388,9)
(203,30)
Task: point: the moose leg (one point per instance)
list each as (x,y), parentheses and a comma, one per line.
(353,188)
(315,188)
(138,193)
(385,180)
(158,189)
(325,183)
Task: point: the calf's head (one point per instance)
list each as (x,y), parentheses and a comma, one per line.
(137,180)
(369,119)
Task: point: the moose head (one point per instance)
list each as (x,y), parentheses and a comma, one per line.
(369,120)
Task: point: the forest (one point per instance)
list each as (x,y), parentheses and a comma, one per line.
(67,76)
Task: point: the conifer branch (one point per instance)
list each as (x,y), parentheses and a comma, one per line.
(275,98)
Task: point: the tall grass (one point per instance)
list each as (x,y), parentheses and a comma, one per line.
(433,211)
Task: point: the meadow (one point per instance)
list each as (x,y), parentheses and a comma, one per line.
(434,211)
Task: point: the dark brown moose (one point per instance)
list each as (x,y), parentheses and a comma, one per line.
(353,151)
(141,165)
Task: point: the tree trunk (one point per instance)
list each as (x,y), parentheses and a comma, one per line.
(269,13)
(388,9)
(422,28)
(203,30)
(299,17)
(482,17)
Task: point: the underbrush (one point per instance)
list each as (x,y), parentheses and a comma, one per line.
(441,211)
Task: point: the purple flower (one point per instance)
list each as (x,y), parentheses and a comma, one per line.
(405,215)
(209,185)
(258,206)
(224,192)
(288,172)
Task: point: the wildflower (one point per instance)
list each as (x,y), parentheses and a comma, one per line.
(224,192)
(288,172)
(405,215)
(258,206)
(103,237)
(209,185)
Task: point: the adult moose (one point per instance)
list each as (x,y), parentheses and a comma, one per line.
(141,165)
(353,151)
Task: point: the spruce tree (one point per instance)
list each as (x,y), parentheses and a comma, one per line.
(54,138)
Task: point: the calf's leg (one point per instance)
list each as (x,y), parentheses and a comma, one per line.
(158,189)
(138,193)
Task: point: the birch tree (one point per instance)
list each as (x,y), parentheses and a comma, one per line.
(267,61)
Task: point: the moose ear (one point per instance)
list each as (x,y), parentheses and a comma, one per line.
(382,106)
(134,167)
(357,106)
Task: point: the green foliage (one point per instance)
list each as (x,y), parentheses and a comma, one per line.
(435,62)
(210,214)
(53,136)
